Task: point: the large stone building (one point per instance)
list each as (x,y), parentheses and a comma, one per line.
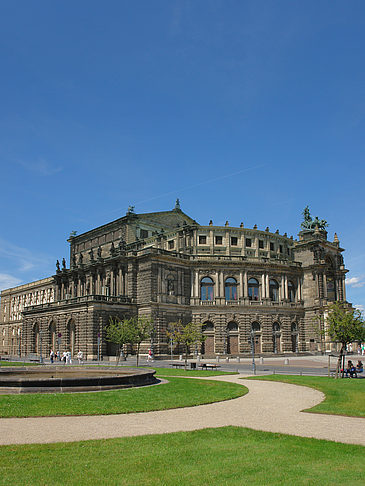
(246,287)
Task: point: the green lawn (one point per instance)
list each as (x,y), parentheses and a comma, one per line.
(343,396)
(179,392)
(16,363)
(224,456)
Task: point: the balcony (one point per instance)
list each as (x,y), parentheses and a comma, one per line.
(113,299)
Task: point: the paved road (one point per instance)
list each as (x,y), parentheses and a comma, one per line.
(269,406)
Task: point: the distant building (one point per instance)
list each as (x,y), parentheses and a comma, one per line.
(246,287)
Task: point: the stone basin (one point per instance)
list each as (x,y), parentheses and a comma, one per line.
(51,379)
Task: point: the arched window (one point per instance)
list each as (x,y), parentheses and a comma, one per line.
(331,288)
(294,327)
(255,338)
(52,335)
(331,282)
(71,336)
(255,327)
(291,291)
(208,343)
(231,288)
(36,338)
(274,290)
(206,289)
(231,338)
(253,289)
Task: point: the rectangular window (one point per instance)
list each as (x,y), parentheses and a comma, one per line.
(272,246)
(171,244)
(234,241)
(281,248)
(288,251)
(219,240)
(261,243)
(143,234)
(202,240)
(248,241)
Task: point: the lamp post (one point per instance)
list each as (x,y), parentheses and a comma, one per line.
(98,347)
(253,352)
(40,347)
(59,345)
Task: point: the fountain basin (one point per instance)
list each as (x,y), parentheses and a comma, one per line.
(58,379)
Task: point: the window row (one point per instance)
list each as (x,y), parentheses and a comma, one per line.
(218,240)
(230,289)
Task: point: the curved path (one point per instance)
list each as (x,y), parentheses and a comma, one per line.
(269,406)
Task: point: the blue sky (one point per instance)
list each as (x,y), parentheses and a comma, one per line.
(245,110)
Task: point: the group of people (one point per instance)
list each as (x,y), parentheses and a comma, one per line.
(352,370)
(66,357)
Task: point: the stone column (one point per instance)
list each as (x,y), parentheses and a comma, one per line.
(97,290)
(286,287)
(267,290)
(111,282)
(197,284)
(192,292)
(282,289)
(245,285)
(343,289)
(241,285)
(320,285)
(263,287)
(324,286)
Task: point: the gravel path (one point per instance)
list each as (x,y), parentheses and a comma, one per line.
(269,406)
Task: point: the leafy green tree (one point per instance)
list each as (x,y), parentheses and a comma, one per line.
(119,332)
(187,335)
(142,329)
(344,325)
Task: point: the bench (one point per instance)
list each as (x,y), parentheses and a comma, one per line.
(178,365)
(209,366)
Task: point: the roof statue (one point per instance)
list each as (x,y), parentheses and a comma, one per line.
(177,204)
(130,210)
(310,224)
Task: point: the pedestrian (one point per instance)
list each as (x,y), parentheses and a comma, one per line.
(68,357)
(150,356)
(58,355)
(79,357)
(51,356)
(64,357)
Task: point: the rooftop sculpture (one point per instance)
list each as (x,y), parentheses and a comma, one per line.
(310,224)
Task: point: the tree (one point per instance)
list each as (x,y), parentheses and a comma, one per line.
(131,331)
(119,332)
(142,329)
(187,335)
(344,325)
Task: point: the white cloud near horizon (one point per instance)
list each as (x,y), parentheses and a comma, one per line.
(355,282)
(8,281)
(40,166)
(22,259)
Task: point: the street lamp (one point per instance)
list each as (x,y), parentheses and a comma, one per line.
(59,345)
(253,351)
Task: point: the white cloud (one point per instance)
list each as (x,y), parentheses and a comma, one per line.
(23,258)
(8,281)
(359,307)
(355,281)
(41,166)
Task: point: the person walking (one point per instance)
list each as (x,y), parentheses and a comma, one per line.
(68,357)
(51,356)
(80,357)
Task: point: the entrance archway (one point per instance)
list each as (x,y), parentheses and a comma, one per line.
(232,338)
(71,336)
(208,333)
(256,337)
(276,335)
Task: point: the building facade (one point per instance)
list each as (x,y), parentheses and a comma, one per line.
(246,287)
